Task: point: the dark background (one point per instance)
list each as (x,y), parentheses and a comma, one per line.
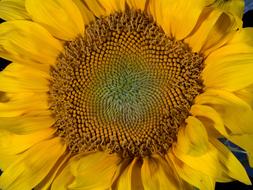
(247,22)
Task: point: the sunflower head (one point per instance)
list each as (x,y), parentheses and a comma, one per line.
(123,94)
(125,81)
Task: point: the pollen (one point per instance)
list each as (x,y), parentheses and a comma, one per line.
(123,87)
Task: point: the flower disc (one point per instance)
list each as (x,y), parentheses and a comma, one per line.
(123,87)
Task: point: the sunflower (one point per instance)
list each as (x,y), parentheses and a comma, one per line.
(124,94)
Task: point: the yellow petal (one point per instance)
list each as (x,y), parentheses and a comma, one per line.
(96,8)
(236,7)
(62,181)
(232,167)
(22,41)
(194,177)
(229,73)
(230,66)
(192,139)
(7,160)
(245,142)
(49,179)
(112,5)
(246,94)
(137,4)
(13,10)
(187,186)
(19,78)
(104,7)
(11,143)
(213,32)
(87,15)
(61,17)
(32,166)
(95,171)
(27,124)
(131,176)
(18,104)
(207,163)
(218,162)
(241,43)
(212,115)
(237,115)
(177,18)
(156,173)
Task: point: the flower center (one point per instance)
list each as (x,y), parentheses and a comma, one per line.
(124,87)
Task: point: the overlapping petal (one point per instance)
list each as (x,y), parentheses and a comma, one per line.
(94,171)
(131,176)
(32,166)
(156,173)
(19,78)
(192,176)
(21,41)
(236,113)
(13,10)
(230,67)
(218,162)
(61,17)
(177,25)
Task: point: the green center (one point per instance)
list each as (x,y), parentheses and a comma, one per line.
(124,94)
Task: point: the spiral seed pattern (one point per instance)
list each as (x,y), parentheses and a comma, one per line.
(123,87)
